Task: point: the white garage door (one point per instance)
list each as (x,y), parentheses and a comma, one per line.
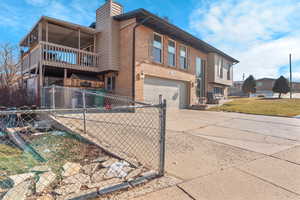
(175,92)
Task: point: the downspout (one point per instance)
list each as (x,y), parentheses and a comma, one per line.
(133,54)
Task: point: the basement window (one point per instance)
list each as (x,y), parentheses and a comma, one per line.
(111,83)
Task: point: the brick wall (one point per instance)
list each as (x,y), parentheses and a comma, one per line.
(146,67)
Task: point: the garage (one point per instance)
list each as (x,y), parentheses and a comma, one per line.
(175,92)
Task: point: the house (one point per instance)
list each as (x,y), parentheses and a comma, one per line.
(136,54)
(264,87)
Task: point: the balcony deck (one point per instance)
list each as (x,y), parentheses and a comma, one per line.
(55,55)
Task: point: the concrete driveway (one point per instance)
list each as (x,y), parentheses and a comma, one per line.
(230,156)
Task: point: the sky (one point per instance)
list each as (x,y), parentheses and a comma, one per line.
(259,33)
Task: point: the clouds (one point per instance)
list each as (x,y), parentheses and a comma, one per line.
(260,34)
(37,2)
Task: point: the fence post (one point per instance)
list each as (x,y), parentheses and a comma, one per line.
(84,111)
(162,116)
(53,96)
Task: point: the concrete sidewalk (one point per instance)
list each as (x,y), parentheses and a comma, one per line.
(230,156)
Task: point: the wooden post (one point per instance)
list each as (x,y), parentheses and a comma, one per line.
(79,39)
(65,76)
(291,79)
(47,32)
(40,83)
(40,31)
(94,43)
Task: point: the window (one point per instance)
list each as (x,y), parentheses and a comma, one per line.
(111,83)
(200,78)
(198,67)
(221,68)
(171,53)
(157,48)
(218,90)
(183,58)
(229,72)
(259,84)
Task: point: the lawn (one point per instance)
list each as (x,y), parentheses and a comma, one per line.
(262,106)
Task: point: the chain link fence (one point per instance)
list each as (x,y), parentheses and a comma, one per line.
(82,151)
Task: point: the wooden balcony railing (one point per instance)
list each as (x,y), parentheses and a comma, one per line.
(60,56)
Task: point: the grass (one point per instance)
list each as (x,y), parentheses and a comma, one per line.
(15,161)
(262,106)
(56,149)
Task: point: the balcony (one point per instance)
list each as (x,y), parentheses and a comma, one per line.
(55,55)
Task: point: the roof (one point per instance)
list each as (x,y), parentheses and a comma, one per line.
(266,79)
(70,25)
(164,27)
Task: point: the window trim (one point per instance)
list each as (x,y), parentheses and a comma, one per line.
(162,48)
(186,56)
(175,56)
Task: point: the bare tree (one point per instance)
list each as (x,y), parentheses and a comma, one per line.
(8,64)
(12,92)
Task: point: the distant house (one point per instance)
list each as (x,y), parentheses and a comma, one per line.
(264,87)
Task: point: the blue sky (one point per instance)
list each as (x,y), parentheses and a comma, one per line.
(260,34)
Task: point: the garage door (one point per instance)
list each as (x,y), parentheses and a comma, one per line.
(175,92)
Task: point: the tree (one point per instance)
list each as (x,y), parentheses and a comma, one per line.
(8,66)
(12,92)
(249,85)
(281,85)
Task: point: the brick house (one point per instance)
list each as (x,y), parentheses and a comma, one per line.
(136,54)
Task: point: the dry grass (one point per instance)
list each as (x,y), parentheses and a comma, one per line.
(262,106)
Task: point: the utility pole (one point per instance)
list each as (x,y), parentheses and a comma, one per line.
(243,76)
(291,84)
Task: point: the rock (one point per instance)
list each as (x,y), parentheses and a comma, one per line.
(45,180)
(109,162)
(105,184)
(3,190)
(98,175)
(71,169)
(40,169)
(78,178)
(68,189)
(117,170)
(133,174)
(46,197)
(19,178)
(19,192)
(149,173)
(91,168)
(82,195)
(101,159)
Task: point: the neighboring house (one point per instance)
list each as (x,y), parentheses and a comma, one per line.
(136,54)
(236,89)
(264,86)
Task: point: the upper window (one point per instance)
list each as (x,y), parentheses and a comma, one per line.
(183,58)
(229,72)
(198,67)
(157,48)
(222,68)
(171,53)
